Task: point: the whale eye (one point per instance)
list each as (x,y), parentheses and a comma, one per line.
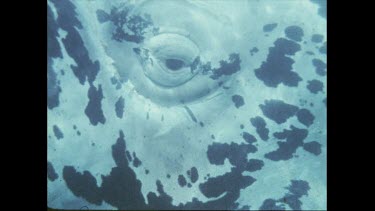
(174,64)
(168,59)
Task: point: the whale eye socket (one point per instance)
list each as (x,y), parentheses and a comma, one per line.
(168,59)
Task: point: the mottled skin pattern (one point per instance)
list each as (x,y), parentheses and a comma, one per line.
(242,126)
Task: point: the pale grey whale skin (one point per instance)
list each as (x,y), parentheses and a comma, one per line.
(186,104)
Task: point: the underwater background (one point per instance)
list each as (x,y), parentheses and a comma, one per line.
(187,104)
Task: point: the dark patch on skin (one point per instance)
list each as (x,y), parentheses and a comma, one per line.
(305,117)
(322,11)
(147,171)
(136,161)
(325,101)
(313,147)
(123,22)
(294,33)
(212,136)
(189,185)
(323,48)
(51,173)
(168,176)
(230,182)
(57,131)
(53,89)
(269,27)
(320,67)
(195,63)
(294,139)
(238,100)
(248,137)
(181,180)
(242,126)
(74,45)
(201,124)
(297,189)
(254,50)
(278,110)
(270,204)
(53,51)
(254,165)
(93,109)
(260,126)
(317,38)
(227,67)
(235,153)
(277,68)
(193,174)
(119,107)
(82,185)
(116,82)
(78,133)
(74,127)
(53,46)
(191,114)
(310,53)
(122,189)
(128,156)
(315,86)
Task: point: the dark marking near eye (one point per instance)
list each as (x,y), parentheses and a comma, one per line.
(315,86)
(191,114)
(294,139)
(248,137)
(260,126)
(277,68)
(305,117)
(181,180)
(278,110)
(323,48)
(320,67)
(313,147)
(74,45)
(51,173)
(238,100)
(294,33)
(57,131)
(269,27)
(322,10)
(124,22)
(119,107)
(317,38)
(94,108)
(254,50)
(227,67)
